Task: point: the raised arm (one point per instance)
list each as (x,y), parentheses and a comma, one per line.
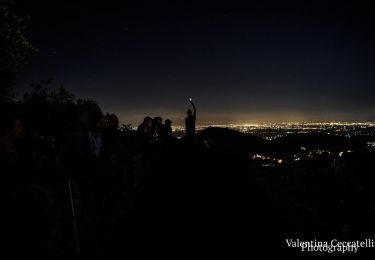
(194,109)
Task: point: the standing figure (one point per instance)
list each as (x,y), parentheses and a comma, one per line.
(144,132)
(167,132)
(190,123)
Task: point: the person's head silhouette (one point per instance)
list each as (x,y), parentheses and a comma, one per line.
(189,112)
(147,121)
(168,122)
(113,121)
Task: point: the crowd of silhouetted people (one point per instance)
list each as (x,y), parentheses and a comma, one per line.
(89,165)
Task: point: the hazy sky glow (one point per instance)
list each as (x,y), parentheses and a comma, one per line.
(266,61)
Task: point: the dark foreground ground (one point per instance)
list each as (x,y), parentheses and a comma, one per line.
(202,201)
(195,209)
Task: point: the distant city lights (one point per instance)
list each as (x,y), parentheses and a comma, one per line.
(272,131)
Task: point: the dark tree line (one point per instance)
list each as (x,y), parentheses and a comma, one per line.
(14,47)
(42,110)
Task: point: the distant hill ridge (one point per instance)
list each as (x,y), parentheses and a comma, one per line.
(234,141)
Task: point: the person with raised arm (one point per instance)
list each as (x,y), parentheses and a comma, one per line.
(190,122)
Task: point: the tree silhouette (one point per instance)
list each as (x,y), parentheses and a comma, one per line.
(14,47)
(44,107)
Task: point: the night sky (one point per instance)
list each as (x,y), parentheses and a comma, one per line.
(260,62)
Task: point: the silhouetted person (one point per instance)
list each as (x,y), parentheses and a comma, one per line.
(157,129)
(113,156)
(98,169)
(112,140)
(111,135)
(76,152)
(96,139)
(190,123)
(167,131)
(113,122)
(144,131)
